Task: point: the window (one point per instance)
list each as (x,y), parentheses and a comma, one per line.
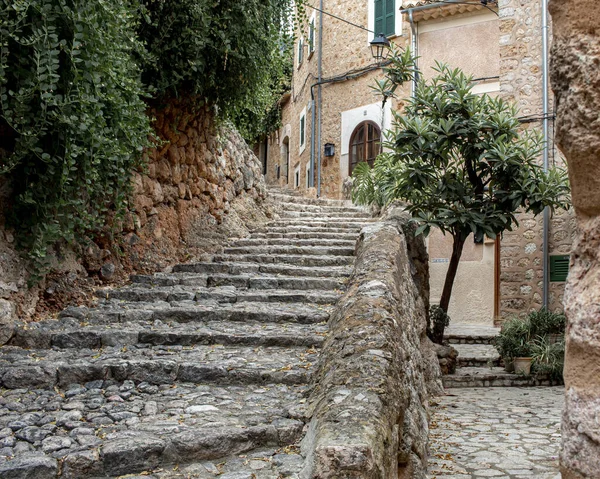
(385,17)
(559,268)
(364,144)
(311,36)
(300,51)
(302,130)
(297,177)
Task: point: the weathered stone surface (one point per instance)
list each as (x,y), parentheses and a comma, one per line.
(7,320)
(377,368)
(29,466)
(575,81)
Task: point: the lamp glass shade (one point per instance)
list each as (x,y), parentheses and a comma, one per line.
(380,46)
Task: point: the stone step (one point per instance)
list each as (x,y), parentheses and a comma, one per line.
(67,333)
(293,206)
(292,250)
(478,355)
(308,229)
(105,428)
(127,313)
(242,281)
(340,223)
(223,294)
(289,259)
(324,215)
(297,242)
(280,197)
(473,377)
(461,333)
(307,235)
(49,368)
(266,268)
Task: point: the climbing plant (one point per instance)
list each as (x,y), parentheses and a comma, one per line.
(76,78)
(72,118)
(460,161)
(227,53)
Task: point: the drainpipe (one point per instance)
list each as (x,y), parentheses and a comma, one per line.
(319,99)
(312,137)
(546,233)
(414,48)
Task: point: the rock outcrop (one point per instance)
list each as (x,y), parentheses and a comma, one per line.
(377,368)
(576,85)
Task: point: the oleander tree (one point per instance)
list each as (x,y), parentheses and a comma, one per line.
(461,161)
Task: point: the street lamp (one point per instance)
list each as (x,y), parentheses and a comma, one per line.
(380,47)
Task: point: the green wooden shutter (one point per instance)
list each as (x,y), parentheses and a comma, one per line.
(559,268)
(390,22)
(379,17)
(311,36)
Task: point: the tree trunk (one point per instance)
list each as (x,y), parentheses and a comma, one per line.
(457,249)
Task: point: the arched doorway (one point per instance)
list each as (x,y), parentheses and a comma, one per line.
(364,144)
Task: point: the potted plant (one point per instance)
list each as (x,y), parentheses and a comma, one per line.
(548,357)
(514,343)
(533,344)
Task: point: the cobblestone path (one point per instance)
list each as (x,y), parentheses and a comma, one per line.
(196,373)
(502,432)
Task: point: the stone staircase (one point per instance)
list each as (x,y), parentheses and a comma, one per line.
(198,372)
(478,362)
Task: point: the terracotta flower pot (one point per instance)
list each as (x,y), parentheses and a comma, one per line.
(523,366)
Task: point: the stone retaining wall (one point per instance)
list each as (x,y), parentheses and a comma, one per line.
(202,185)
(378,368)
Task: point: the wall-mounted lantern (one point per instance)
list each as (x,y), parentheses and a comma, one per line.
(329,149)
(380,47)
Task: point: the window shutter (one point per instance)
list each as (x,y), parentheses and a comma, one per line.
(559,268)
(302,127)
(311,36)
(300,51)
(379,17)
(390,22)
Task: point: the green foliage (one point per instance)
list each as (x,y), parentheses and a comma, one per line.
(532,336)
(544,322)
(72,112)
(232,54)
(548,357)
(459,159)
(73,79)
(514,340)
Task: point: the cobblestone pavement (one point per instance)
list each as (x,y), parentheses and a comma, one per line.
(496,432)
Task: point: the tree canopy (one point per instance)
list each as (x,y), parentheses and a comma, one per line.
(461,162)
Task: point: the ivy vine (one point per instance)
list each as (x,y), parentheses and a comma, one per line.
(76,79)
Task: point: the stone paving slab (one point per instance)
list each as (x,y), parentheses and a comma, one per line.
(221,294)
(477,355)
(116,311)
(289,259)
(69,333)
(257,268)
(46,369)
(463,333)
(479,376)
(111,428)
(504,433)
(240,281)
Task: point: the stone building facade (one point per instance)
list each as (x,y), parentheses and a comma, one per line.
(500,45)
